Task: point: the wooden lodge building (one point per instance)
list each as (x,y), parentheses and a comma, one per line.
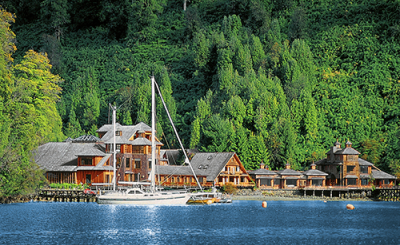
(341,168)
(88,160)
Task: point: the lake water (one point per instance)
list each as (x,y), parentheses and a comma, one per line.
(241,222)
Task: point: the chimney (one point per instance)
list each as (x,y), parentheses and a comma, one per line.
(313,166)
(348,144)
(262,165)
(287,165)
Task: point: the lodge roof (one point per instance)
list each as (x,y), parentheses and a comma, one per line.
(174,170)
(314,172)
(363,162)
(126,133)
(63,156)
(85,138)
(377,174)
(210,164)
(262,172)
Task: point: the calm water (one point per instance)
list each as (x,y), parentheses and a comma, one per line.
(242,222)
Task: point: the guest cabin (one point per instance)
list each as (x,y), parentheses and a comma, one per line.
(341,168)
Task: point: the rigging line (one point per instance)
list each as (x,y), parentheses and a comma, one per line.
(177,135)
(169,147)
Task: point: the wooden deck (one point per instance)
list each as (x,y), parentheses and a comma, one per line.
(61,195)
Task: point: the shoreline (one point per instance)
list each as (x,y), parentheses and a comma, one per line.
(298,198)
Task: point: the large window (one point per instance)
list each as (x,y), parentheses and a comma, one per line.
(292,182)
(127,163)
(266,182)
(351,181)
(350,168)
(386,182)
(87,161)
(317,182)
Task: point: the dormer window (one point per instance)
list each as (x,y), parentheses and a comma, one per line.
(86,161)
(118,147)
(118,133)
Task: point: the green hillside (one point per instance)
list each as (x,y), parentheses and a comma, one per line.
(274,81)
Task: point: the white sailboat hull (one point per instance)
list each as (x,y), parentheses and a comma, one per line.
(144,199)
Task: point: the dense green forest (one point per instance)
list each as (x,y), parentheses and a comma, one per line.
(273,80)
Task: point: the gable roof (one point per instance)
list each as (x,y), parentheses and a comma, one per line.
(63,156)
(126,133)
(210,164)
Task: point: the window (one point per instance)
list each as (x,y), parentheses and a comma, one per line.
(201,179)
(266,182)
(291,182)
(108,178)
(137,163)
(88,179)
(149,164)
(386,182)
(277,181)
(351,181)
(350,168)
(118,147)
(317,182)
(364,181)
(118,133)
(127,163)
(87,161)
(364,169)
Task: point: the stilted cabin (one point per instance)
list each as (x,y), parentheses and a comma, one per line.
(81,160)
(345,168)
(341,168)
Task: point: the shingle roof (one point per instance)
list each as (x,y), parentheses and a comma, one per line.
(262,172)
(210,164)
(126,133)
(363,162)
(86,138)
(63,156)
(376,174)
(314,172)
(173,170)
(348,151)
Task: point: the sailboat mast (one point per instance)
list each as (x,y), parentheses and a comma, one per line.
(153,134)
(114,108)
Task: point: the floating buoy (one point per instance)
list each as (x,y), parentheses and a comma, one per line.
(325,201)
(350,207)
(264,204)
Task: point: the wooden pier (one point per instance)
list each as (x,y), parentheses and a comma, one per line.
(60,195)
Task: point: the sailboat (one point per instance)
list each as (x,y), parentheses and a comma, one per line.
(137,196)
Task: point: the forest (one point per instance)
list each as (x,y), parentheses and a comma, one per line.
(276,81)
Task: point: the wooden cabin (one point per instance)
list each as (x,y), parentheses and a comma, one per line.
(345,168)
(81,160)
(265,178)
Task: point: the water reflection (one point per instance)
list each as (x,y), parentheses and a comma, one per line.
(241,222)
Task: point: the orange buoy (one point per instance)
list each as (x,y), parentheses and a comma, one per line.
(350,207)
(264,204)
(325,201)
